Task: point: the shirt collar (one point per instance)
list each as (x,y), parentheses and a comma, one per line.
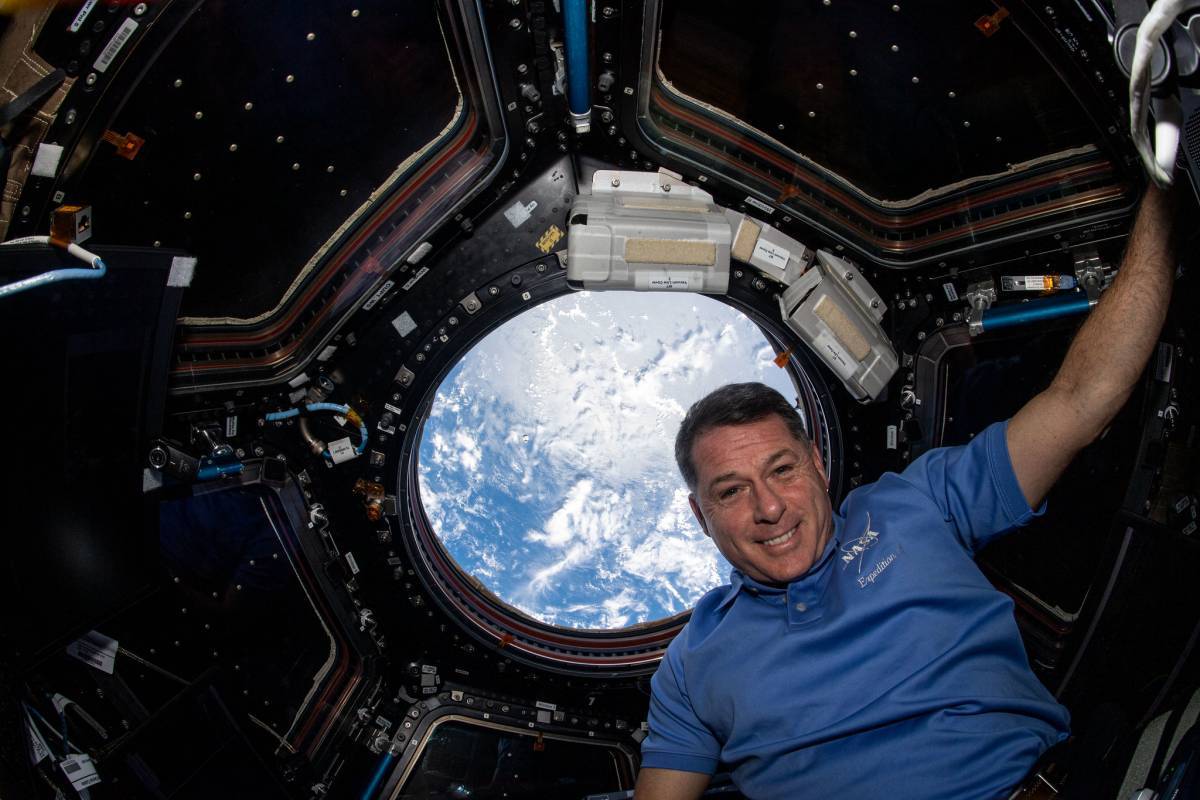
(739,581)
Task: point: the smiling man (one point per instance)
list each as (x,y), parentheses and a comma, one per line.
(860,653)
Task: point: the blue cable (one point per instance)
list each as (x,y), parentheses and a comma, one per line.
(388,758)
(1019,314)
(276,416)
(98,270)
(575,23)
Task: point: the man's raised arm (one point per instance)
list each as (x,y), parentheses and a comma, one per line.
(669,784)
(1105,359)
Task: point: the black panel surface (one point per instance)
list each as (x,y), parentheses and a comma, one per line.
(86,361)
(948,103)
(370,87)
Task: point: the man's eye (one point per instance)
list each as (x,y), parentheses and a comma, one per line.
(728,493)
(784,469)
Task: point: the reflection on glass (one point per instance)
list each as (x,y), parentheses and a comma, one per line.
(547,463)
(464,760)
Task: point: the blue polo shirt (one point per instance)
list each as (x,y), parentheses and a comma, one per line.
(892,668)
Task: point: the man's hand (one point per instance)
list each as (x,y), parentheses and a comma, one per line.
(1105,359)
(669,784)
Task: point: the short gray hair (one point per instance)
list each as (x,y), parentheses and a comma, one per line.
(732,404)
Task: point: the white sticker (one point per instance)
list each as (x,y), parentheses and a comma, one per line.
(546,706)
(392,408)
(231,426)
(339,419)
(96,649)
(299,380)
(517,215)
(45,161)
(183,268)
(38,749)
(80,771)
(118,40)
(341,450)
(327,353)
(82,15)
(420,252)
(892,435)
(411,282)
(404,324)
(379,293)
(951,292)
(836,356)
(297,396)
(151,480)
(760,205)
(669,282)
(773,254)
(60,702)
(353,564)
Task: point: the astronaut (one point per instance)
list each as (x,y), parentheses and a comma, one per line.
(859,652)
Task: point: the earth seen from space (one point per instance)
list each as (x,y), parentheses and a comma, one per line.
(547,466)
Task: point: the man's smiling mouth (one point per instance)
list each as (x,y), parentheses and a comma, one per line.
(781,538)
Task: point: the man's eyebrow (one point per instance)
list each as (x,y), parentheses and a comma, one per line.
(776,456)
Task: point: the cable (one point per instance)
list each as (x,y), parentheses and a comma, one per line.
(335,408)
(46,724)
(1156,22)
(98,270)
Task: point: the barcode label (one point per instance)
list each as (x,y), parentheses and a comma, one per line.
(96,649)
(80,771)
(760,205)
(379,293)
(113,48)
(411,282)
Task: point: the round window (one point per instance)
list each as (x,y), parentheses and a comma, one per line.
(547,465)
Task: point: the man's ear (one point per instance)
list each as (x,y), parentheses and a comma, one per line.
(816,459)
(699,516)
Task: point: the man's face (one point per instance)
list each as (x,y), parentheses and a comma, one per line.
(762,497)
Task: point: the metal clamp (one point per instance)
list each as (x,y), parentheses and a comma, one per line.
(980,297)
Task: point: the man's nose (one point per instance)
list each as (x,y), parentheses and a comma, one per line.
(768,504)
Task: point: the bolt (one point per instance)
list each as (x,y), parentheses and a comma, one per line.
(493,290)
(522,68)
(139,9)
(91,79)
(515,24)
(533,126)
(609,12)
(616,182)
(71,115)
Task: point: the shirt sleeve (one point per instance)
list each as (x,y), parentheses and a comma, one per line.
(974,487)
(678,739)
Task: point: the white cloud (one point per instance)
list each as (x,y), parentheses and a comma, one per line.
(550,447)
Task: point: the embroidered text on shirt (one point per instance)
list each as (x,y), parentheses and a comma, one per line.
(854,549)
